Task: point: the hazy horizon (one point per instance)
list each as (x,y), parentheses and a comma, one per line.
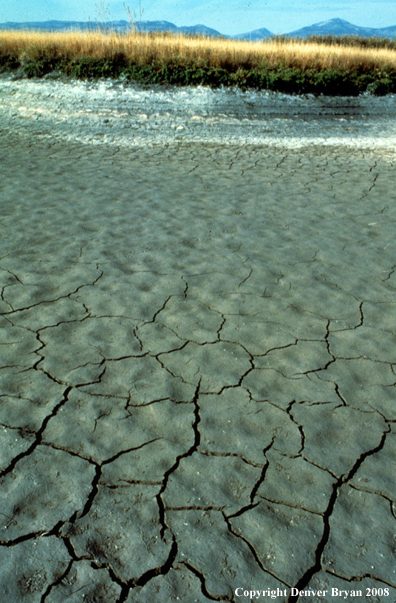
(227,18)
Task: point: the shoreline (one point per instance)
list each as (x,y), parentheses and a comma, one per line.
(281,65)
(126,115)
(332,83)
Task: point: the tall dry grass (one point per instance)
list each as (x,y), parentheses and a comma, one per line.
(143,48)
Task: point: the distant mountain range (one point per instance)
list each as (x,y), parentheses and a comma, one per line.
(120,26)
(335,27)
(339,27)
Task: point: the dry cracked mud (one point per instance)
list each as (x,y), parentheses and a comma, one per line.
(197,371)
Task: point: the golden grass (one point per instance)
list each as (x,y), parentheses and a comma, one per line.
(143,48)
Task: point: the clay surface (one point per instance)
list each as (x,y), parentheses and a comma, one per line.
(198,366)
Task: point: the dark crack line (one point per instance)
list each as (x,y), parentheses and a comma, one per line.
(135,330)
(128,357)
(69,547)
(23,538)
(256,486)
(39,434)
(75,558)
(373,166)
(157,571)
(125,588)
(383,280)
(78,514)
(174,333)
(245,279)
(333,358)
(51,301)
(383,209)
(58,381)
(5,301)
(285,504)
(122,316)
(204,589)
(104,414)
(59,580)
(122,452)
(299,426)
(170,351)
(131,482)
(221,327)
(143,404)
(62,322)
(230,454)
(13,366)
(22,431)
(375,492)
(343,479)
(189,452)
(124,594)
(263,472)
(243,510)
(91,496)
(312,463)
(12,274)
(252,549)
(245,374)
(372,186)
(179,377)
(67,451)
(92,461)
(341,397)
(186,288)
(281,347)
(361,316)
(195,508)
(158,311)
(98,380)
(359,578)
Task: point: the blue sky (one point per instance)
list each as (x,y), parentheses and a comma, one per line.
(227,16)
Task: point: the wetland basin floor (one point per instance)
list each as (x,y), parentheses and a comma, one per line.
(197,379)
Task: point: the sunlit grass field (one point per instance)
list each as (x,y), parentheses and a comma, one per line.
(288,65)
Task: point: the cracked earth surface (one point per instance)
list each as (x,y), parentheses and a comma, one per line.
(198,369)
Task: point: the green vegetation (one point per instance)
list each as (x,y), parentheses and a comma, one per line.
(355,41)
(282,79)
(318,66)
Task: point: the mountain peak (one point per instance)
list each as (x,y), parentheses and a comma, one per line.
(335,21)
(334,27)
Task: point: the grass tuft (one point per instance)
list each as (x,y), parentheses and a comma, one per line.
(321,66)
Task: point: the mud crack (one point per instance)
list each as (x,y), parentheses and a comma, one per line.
(343,479)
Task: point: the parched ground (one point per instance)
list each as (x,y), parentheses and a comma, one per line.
(197,374)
